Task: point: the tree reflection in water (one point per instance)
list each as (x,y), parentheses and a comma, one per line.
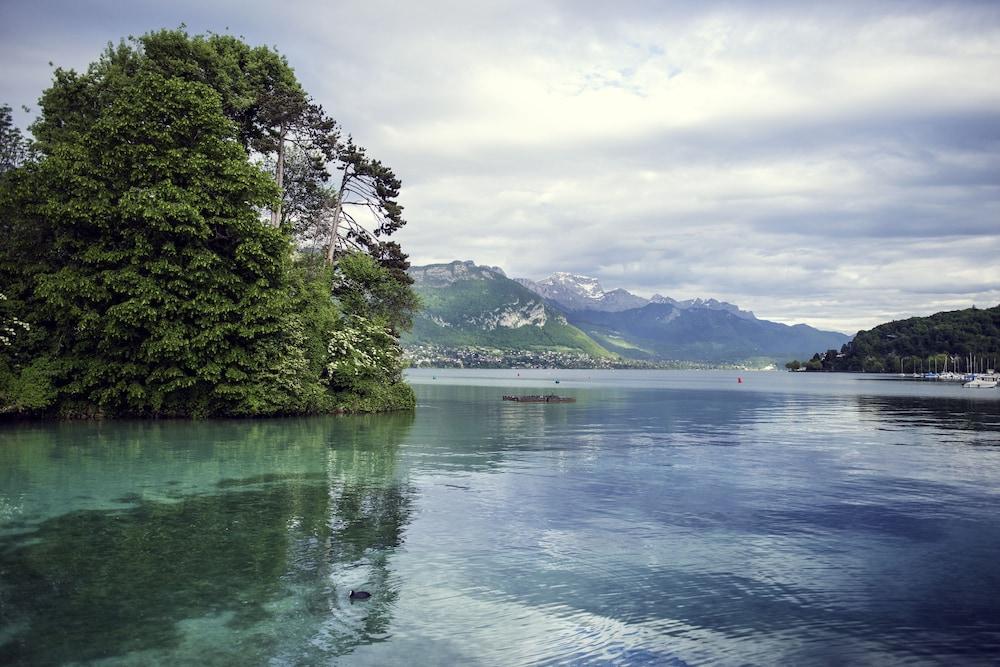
(256,568)
(969,420)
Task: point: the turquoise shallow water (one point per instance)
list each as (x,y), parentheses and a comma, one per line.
(664,518)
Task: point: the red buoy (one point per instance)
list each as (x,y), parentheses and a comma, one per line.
(739,380)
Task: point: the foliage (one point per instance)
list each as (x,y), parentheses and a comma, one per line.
(9,325)
(255,86)
(15,149)
(306,197)
(29,389)
(166,294)
(363,352)
(372,187)
(367,289)
(365,357)
(145,279)
(376,397)
(919,343)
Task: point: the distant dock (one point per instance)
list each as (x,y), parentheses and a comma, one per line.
(550,398)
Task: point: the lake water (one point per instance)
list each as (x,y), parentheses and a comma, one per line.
(665,518)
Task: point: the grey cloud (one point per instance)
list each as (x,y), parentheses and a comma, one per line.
(842,209)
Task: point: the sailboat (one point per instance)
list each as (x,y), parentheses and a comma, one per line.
(949,376)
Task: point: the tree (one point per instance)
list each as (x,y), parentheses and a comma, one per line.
(366,289)
(278,121)
(255,85)
(306,197)
(258,90)
(136,250)
(14,148)
(362,353)
(164,293)
(371,187)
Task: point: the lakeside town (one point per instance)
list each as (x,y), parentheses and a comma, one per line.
(437,356)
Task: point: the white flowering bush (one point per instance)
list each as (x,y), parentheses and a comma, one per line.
(9,326)
(363,351)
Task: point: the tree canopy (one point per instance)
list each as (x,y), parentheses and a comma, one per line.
(142,275)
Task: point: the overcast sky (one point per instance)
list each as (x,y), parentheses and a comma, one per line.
(836,165)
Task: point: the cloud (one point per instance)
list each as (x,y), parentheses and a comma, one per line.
(833,164)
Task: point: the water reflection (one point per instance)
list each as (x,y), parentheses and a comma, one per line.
(182,564)
(665,526)
(969,419)
(469,428)
(639,525)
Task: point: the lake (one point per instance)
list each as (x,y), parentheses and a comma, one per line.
(664,518)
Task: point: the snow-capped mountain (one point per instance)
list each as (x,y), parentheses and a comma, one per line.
(575,292)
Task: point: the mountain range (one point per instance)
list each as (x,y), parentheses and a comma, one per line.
(574,292)
(469,305)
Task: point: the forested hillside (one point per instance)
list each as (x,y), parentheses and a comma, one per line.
(920,343)
(174,243)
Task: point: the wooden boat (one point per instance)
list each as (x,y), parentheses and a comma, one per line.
(550,398)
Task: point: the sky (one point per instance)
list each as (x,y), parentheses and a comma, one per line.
(836,164)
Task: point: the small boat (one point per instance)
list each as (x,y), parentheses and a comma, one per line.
(550,398)
(982,382)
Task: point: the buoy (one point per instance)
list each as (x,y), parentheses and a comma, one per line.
(739,380)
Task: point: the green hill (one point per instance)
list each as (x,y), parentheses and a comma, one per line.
(468,305)
(920,342)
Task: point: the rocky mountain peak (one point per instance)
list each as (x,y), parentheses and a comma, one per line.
(584,286)
(715,304)
(575,292)
(659,298)
(440,275)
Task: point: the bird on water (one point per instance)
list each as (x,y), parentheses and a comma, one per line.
(359,595)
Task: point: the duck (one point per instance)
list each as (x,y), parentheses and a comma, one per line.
(359,595)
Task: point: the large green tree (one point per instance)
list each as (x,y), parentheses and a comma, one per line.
(139,258)
(161,289)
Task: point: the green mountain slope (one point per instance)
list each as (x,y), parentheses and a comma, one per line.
(663,331)
(467,305)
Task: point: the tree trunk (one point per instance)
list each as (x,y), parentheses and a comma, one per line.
(335,220)
(279,176)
